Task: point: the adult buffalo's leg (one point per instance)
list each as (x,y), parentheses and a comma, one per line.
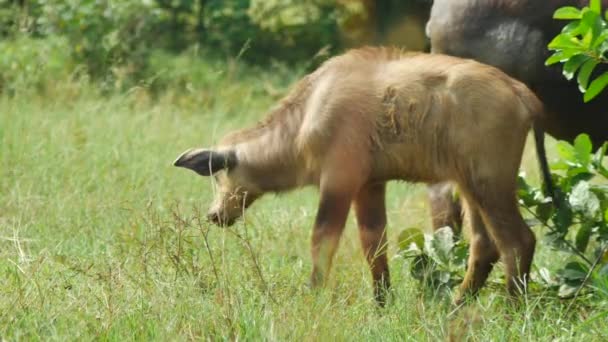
(446,209)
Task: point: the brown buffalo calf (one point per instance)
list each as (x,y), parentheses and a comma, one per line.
(374,115)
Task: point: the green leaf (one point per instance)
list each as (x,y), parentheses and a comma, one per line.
(562,219)
(599,40)
(606,215)
(596,6)
(544,211)
(566,151)
(583,149)
(567,290)
(596,87)
(410,236)
(582,199)
(567,13)
(421,266)
(573,270)
(598,158)
(585,73)
(565,41)
(442,244)
(572,29)
(556,58)
(572,65)
(582,237)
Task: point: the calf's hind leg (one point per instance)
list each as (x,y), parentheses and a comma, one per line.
(507,228)
(370,209)
(482,253)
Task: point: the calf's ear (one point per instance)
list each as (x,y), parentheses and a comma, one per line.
(206,162)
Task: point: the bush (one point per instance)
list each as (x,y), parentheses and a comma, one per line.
(577,224)
(582,46)
(113,39)
(286,29)
(110,37)
(28,64)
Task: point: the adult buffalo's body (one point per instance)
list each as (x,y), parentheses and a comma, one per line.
(513,36)
(373,115)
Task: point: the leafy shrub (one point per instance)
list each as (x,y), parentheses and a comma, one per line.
(577,225)
(32,64)
(295,26)
(111,37)
(582,46)
(437,260)
(578,222)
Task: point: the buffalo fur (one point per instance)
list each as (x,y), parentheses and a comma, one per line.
(378,114)
(512,35)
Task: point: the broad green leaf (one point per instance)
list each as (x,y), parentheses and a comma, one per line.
(443,277)
(583,149)
(544,211)
(567,291)
(588,20)
(566,151)
(598,158)
(606,215)
(572,65)
(573,270)
(442,244)
(596,87)
(585,73)
(599,40)
(410,236)
(567,13)
(596,6)
(582,199)
(572,29)
(563,42)
(421,266)
(555,58)
(582,237)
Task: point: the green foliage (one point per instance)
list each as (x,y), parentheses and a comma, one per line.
(30,65)
(437,260)
(576,224)
(582,46)
(293,23)
(108,36)
(113,39)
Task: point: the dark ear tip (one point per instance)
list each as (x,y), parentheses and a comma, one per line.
(181,160)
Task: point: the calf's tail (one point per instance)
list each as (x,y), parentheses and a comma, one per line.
(541,153)
(536,107)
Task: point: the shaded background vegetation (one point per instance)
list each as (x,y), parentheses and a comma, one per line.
(120,41)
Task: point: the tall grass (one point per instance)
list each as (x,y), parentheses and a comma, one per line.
(101,238)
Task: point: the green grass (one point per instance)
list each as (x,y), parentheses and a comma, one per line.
(100,237)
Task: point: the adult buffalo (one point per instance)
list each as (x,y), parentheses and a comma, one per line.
(513,36)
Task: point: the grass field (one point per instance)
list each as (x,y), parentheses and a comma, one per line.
(100,236)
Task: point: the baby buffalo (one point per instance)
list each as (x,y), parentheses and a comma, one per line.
(378,114)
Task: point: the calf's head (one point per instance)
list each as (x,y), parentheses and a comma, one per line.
(236,190)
